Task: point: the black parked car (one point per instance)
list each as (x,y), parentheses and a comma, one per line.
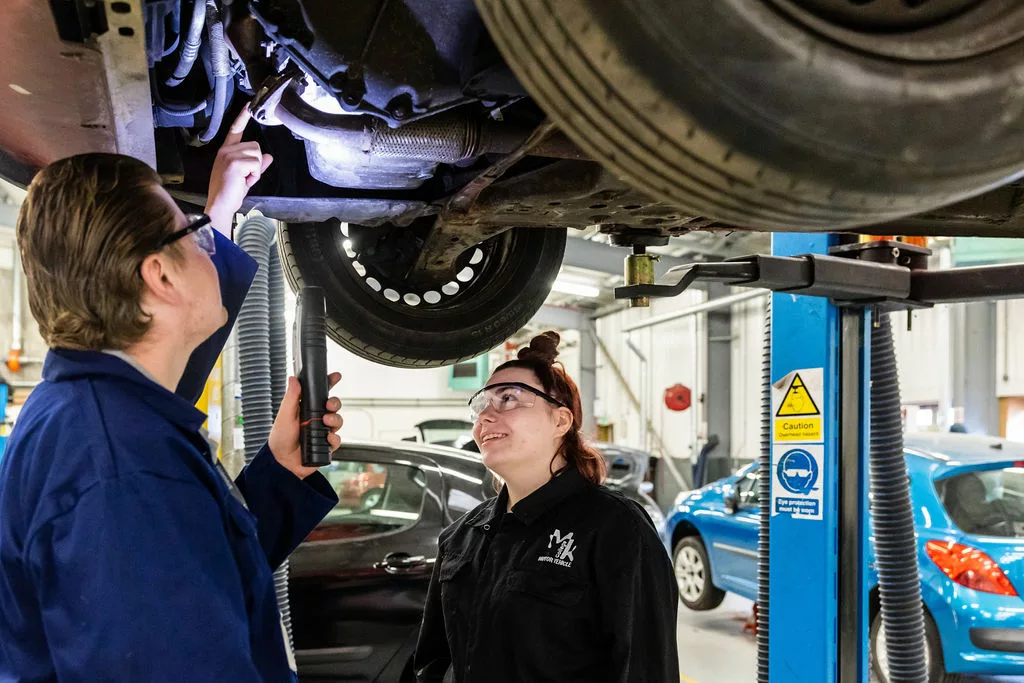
(359,582)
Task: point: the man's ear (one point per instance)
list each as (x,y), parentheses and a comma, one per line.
(160,279)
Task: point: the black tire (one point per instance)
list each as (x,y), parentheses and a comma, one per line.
(764,115)
(936,669)
(708,595)
(513,282)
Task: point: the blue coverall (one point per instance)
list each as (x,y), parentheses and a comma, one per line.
(124,553)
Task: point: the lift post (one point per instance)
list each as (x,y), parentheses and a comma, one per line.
(826,296)
(818,456)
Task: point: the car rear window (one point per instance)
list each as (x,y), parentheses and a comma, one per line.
(986,503)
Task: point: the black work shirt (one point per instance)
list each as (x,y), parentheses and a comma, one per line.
(572,585)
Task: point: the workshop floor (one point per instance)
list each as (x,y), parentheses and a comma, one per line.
(713,647)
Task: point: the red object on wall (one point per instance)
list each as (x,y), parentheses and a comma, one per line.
(677,397)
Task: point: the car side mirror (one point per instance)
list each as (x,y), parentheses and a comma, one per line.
(732,503)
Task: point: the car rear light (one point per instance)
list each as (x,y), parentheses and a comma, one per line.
(969,567)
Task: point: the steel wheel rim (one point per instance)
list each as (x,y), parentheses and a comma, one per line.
(690,574)
(470,267)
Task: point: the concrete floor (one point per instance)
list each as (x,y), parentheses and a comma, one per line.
(713,648)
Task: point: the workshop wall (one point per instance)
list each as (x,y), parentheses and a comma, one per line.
(924,354)
(385,404)
(747,353)
(672,357)
(1010,348)
(927,359)
(33,348)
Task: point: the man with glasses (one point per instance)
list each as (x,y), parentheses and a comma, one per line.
(126,552)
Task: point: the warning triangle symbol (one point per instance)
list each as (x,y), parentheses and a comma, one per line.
(798,401)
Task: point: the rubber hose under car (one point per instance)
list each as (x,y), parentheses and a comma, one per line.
(190,48)
(764,492)
(262,354)
(892,516)
(221,71)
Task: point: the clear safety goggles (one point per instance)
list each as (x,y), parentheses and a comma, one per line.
(507,396)
(198,225)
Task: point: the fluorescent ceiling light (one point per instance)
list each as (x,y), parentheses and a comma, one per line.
(576,288)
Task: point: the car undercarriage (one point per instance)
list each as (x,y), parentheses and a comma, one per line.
(430,154)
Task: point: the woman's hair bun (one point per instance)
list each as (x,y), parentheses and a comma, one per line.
(543,348)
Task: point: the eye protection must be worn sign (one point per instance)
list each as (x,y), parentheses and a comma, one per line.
(797,399)
(797,477)
(798,453)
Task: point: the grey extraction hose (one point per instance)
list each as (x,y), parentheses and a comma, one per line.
(892,516)
(221,68)
(891,513)
(190,48)
(764,492)
(278,331)
(262,356)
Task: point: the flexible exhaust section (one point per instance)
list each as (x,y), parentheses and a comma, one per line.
(278,330)
(892,516)
(262,357)
(444,138)
(764,492)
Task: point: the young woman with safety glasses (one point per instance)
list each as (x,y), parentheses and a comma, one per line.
(557,578)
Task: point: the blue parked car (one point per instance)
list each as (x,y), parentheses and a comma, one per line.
(968,496)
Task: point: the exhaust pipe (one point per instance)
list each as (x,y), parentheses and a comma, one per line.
(445,138)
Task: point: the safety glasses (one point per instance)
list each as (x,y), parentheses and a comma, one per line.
(507,396)
(202,233)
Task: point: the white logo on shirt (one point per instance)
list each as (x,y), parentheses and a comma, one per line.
(563,546)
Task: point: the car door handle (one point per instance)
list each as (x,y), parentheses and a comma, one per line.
(401,563)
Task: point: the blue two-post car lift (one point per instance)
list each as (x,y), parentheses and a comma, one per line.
(824,432)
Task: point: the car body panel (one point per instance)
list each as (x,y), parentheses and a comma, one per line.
(73,96)
(54,99)
(955,609)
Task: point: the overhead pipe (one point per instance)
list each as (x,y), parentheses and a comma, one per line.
(711,305)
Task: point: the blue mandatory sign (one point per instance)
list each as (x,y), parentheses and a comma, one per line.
(798,471)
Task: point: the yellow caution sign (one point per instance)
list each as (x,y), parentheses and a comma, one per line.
(798,401)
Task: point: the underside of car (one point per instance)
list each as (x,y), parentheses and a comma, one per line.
(429,155)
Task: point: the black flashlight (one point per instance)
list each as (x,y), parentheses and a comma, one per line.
(311,370)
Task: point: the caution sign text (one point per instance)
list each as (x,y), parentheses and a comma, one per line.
(796,404)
